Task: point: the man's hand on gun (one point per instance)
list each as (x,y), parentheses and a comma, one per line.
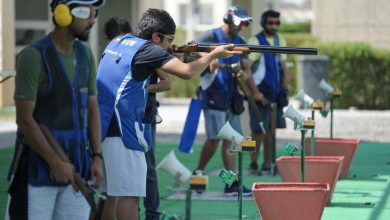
(96,172)
(225,51)
(242,75)
(259,97)
(62,172)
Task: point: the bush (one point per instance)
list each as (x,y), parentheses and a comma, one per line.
(361,72)
(183,88)
(297,27)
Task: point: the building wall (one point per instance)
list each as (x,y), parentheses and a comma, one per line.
(255,9)
(352,20)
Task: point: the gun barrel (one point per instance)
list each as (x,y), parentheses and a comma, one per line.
(265,48)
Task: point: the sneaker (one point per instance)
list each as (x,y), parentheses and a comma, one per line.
(233,190)
(265,170)
(254,166)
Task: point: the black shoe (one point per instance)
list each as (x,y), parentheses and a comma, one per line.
(234,188)
(265,170)
(254,166)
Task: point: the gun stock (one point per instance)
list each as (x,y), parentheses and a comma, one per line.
(80,184)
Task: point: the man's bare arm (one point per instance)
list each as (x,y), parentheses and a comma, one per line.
(188,70)
(164,83)
(94,133)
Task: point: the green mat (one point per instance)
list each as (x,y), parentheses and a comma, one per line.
(365,195)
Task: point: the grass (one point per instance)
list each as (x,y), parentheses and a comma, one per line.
(366,196)
(7,113)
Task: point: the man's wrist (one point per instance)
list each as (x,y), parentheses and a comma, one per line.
(97,155)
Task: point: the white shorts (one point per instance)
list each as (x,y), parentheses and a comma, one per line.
(53,202)
(125,169)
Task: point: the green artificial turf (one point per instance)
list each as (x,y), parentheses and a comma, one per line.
(364,195)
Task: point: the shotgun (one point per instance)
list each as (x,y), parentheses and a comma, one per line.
(80,184)
(252,103)
(244,48)
(247,92)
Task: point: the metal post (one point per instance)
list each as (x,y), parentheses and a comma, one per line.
(188,204)
(303,132)
(240,185)
(274,109)
(312,135)
(331,117)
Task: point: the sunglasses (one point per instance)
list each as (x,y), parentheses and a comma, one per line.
(84,12)
(245,23)
(273,23)
(170,37)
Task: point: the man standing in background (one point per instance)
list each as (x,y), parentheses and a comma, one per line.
(270,78)
(219,85)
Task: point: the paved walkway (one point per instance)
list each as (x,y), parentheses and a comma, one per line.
(369,125)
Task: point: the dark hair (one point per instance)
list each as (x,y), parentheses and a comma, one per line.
(155,20)
(270,13)
(115,26)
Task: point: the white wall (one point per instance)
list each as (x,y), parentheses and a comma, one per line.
(352,20)
(219,7)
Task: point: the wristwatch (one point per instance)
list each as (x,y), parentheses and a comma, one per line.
(97,155)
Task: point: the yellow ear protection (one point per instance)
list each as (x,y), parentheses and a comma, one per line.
(62,15)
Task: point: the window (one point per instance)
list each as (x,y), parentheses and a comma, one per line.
(182,14)
(206,14)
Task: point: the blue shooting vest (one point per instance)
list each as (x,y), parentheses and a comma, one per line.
(122,95)
(63,109)
(219,94)
(271,84)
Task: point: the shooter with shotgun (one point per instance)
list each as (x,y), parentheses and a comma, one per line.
(221,100)
(271,79)
(123,78)
(214,90)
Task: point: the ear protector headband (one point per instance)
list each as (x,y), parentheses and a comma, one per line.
(262,21)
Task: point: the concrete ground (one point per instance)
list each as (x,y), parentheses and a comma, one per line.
(369,125)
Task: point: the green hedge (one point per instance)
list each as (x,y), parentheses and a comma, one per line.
(298,27)
(361,72)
